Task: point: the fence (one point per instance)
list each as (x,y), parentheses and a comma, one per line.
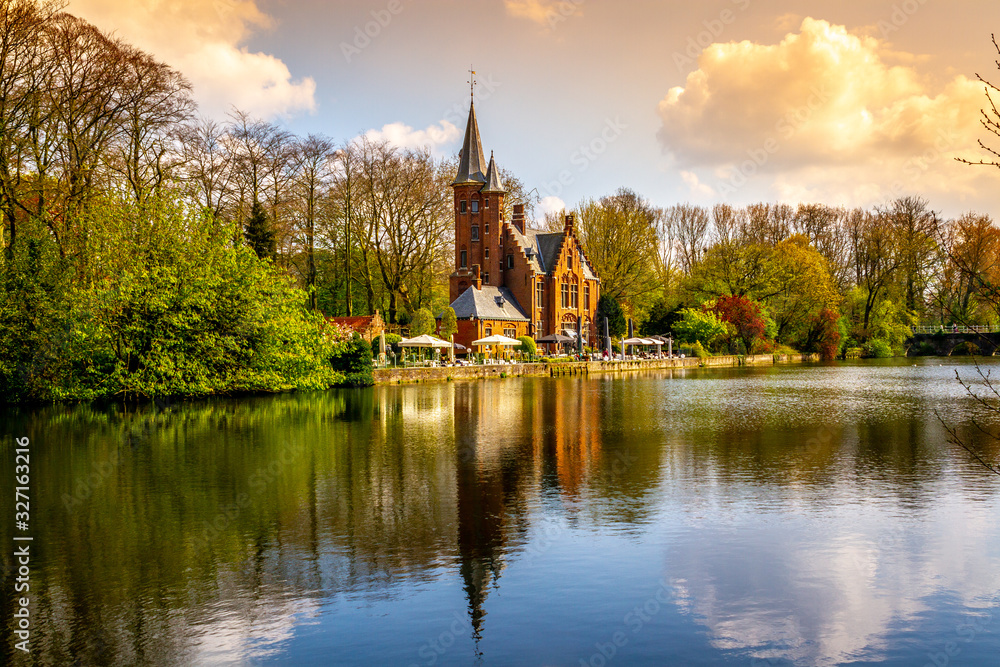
(936,328)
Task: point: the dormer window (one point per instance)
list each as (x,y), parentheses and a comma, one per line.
(463,206)
(475,206)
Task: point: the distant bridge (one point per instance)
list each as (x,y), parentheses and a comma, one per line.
(944,340)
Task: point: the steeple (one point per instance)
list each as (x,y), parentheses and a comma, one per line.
(470,160)
(492,179)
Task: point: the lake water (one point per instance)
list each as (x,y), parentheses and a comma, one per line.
(797,515)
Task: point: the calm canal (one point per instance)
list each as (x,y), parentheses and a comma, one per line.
(756,516)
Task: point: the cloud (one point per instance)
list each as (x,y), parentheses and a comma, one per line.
(205,41)
(549,205)
(546,13)
(404,136)
(824,113)
(694,184)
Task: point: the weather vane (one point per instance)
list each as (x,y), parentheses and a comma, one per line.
(472,82)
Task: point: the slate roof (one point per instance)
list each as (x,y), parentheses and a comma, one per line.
(482,304)
(545,246)
(492,178)
(471,160)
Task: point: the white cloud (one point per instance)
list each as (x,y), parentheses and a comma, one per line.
(695,186)
(206,42)
(549,205)
(404,136)
(826,114)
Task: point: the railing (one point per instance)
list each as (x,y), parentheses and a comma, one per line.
(977,328)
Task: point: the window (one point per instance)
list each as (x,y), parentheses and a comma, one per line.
(475,206)
(465,259)
(462,206)
(539,293)
(487,331)
(486,277)
(510,261)
(569,260)
(565,295)
(486,204)
(586,297)
(487,255)
(475,231)
(486,226)
(538,328)
(574,301)
(510,332)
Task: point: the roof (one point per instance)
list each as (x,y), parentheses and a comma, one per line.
(359,323)
(492,178)
(471,160)
(545,247)
(484,304)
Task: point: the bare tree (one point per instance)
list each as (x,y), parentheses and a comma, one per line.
(691,225)
(312,158)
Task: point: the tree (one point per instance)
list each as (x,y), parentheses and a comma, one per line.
(619,233)
(745,317)
(311,161)
(660,319)
(449,323)
(802,287)
(610,308)
(528,346)
(258,233)
(698,326)
(690,224)
(422,323)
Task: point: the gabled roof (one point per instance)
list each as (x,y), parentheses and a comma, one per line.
(492,178)
(485,304)
(471,160)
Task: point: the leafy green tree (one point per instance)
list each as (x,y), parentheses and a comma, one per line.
(609,307)
(259,234)
(660,319)
(449,323)
(696,325)
(528,346)
(422,323)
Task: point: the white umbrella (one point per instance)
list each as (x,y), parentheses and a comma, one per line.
(496,339)
(425,340)
(636,341)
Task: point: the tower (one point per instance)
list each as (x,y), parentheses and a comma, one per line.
(478,216)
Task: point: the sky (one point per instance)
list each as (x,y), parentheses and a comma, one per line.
(847,102)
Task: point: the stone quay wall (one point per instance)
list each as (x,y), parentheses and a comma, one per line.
(411,375)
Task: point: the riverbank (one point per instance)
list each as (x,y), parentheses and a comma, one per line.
(447,374)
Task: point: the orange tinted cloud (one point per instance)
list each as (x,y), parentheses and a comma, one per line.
(824,112)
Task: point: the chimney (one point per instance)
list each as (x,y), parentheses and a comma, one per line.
(477,278)
(518,218)
(568,228)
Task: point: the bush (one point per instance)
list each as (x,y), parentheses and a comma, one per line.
(528,346)
(353,359)
(876,348)
(698,350)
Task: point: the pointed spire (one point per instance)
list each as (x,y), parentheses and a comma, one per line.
(492,179)
(470,160)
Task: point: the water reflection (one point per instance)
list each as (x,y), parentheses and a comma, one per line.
(803,515)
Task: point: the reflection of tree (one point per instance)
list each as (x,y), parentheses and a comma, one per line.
(981,439)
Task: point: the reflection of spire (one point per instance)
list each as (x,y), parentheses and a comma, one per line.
(481,500)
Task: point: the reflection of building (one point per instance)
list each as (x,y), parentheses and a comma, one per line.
(508,279)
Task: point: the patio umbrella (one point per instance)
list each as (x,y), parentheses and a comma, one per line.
(554,338)
(496,339)
(425,340)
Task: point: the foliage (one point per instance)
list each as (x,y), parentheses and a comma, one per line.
(178,311)
(696,326)
(259,235)
(876,348)
(353,359)
(422,323)
(449,323)
(825,335)
(660,319)
(609,307)
(528,345)
(745,317)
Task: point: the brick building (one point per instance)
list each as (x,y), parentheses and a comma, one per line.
(508,279)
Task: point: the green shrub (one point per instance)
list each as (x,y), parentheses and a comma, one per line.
(353,360)
(876,348)
(528,346)
(698,350)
